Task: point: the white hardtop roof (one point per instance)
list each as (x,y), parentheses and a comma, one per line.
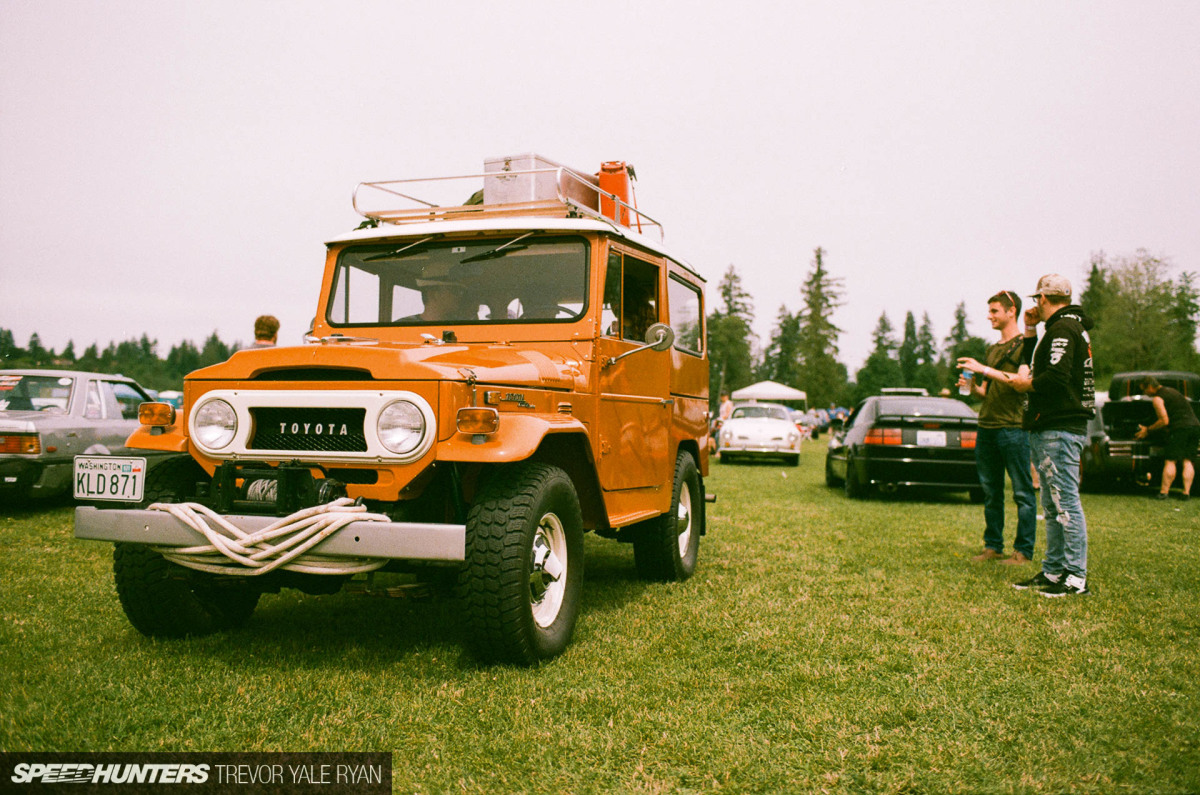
(523,223)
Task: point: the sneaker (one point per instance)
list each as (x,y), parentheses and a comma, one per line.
(1015,559)
(1160,496)
(1039,580)
(1069,586)
(987,554)
(1185,497)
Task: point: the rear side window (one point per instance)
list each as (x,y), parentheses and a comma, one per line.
(687,313)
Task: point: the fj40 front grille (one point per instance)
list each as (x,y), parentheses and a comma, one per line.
(292,428)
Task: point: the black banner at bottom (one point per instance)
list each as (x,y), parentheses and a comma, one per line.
(248,773)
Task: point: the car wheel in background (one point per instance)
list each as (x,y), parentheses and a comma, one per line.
(666,547)
(855,488)
(831,479)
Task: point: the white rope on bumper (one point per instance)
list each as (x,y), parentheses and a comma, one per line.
(282,544)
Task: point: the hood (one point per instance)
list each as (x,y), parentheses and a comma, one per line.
(352,361)
(1075,312)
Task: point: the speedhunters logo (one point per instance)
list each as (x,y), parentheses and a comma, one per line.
(326,773)
(83,773)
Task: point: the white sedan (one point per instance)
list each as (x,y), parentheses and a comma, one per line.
(759,430)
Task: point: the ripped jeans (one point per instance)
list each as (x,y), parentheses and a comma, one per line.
(1056,456)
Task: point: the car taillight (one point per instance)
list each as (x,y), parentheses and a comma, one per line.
(967,439)
(884,436)
(21,443)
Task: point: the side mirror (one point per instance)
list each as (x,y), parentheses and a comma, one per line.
(659,337)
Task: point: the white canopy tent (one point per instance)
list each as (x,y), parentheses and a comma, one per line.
(769,390)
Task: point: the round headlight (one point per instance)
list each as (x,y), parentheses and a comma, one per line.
(401,427)
(215,424)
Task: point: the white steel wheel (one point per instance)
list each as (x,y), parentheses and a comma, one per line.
(665,548)
(548,574)
(683,521)
(521,581)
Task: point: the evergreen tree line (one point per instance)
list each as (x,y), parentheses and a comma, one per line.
(135,358)
(1145,320)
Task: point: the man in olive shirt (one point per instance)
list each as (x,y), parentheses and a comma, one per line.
(1001,443)
(1183,433)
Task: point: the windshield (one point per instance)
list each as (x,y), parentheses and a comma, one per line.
(493,280)
(760,412)
(35,392)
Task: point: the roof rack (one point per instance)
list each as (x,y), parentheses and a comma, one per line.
(553,190)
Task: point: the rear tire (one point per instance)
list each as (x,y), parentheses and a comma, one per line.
(831,479)
(162,599)
(665,549)
(855,488)
(521,582)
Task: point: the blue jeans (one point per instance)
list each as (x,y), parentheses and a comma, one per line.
(1056,455)
(1000,450)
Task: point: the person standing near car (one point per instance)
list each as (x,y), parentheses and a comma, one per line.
(1002,444)
(1183,433)
(1062,398)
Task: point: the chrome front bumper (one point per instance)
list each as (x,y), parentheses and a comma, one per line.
(391,540)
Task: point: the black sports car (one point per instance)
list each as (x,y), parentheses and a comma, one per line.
(891,441)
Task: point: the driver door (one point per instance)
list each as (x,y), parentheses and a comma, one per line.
(635,399)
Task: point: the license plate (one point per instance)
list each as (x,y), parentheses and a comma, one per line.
(109,477)
(931,438)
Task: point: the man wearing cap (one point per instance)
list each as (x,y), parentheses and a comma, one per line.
(1183,433)
(1062,398)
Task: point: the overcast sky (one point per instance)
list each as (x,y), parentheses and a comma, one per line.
(174,168)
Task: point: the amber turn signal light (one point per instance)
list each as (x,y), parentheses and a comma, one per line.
(478,420)
(156,414)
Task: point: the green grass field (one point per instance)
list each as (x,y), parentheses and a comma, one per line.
(823,645)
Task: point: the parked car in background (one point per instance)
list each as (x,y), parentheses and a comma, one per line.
(47,417)
(759,430)
(1112,455)
(891,441)
(171,396)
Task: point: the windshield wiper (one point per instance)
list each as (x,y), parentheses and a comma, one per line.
(498,251)
(411,248)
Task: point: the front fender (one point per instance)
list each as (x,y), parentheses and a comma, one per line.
(518,437)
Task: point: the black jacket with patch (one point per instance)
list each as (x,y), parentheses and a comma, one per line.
(1064,385)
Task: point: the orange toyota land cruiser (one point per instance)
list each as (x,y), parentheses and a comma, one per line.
(482,384)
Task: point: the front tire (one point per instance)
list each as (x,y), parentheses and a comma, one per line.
(162,599)
(665,549)
(523,575)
